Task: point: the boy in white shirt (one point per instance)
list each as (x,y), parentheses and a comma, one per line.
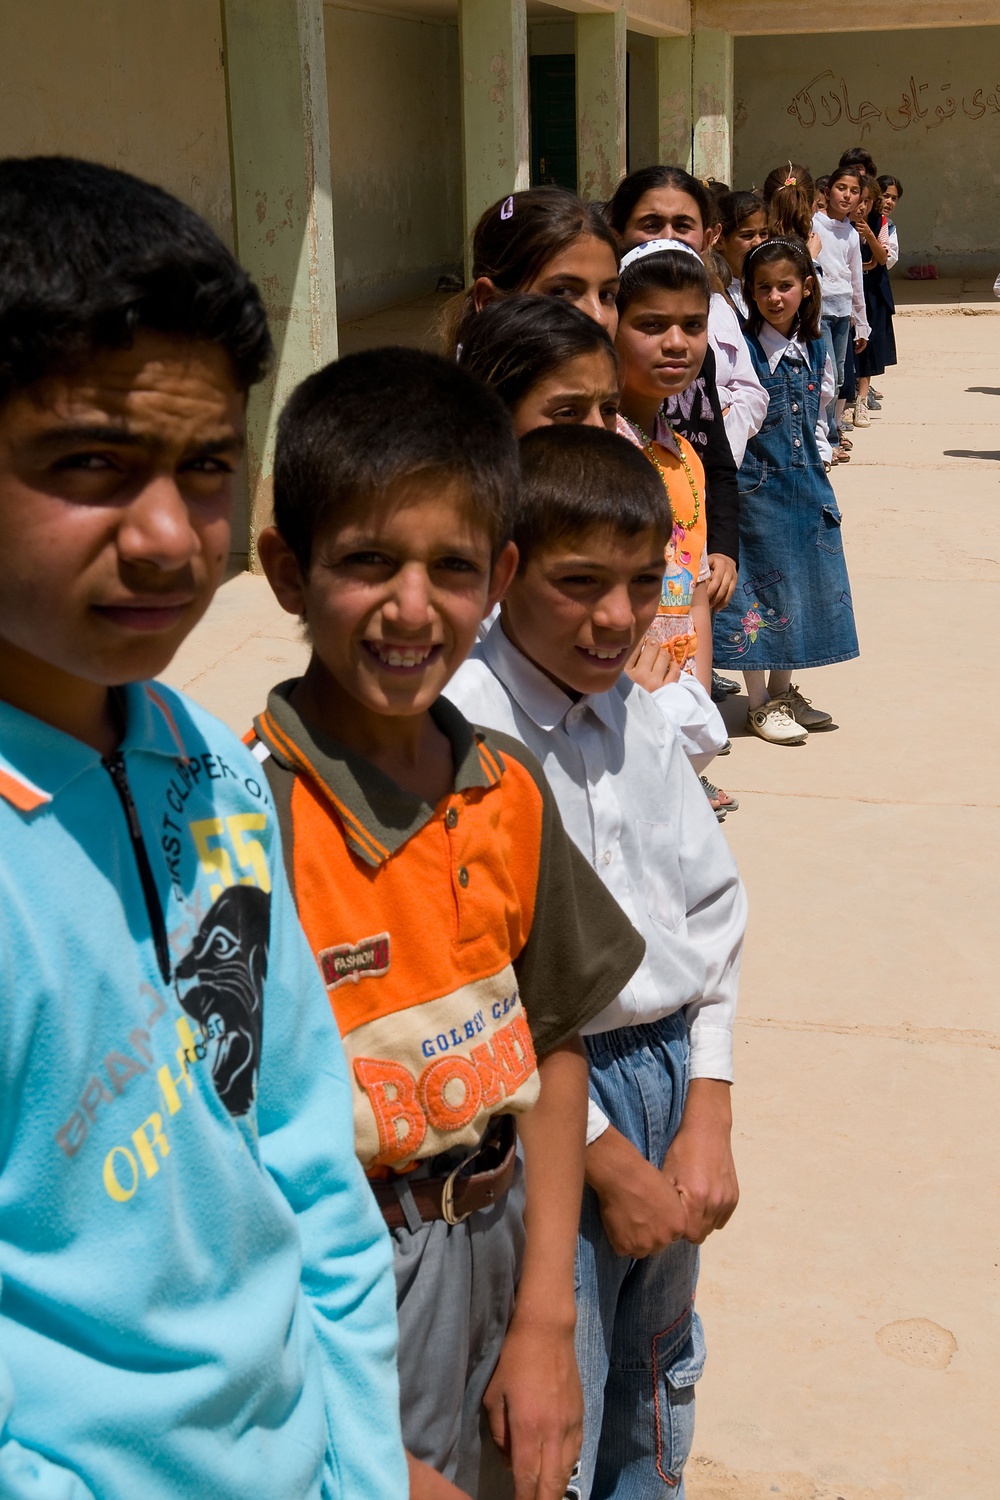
(590,526)
(839,260)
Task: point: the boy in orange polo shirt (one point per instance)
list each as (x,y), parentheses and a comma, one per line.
(463,939)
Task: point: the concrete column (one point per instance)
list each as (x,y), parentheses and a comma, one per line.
(712,91)
(493,58)
(673,101)
(601,106)
(279,135)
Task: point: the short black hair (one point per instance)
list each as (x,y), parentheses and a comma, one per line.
(577,479)
(366,422)
(665,270)
(89,256)
(859,156)
(515,342)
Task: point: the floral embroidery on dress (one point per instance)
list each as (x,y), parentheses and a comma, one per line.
(754,623)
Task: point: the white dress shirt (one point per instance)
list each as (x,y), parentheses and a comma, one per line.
(739,388)
(839,259)
(632,803)
(775,347)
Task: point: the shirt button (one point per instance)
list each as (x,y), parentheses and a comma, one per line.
(794,407)
(797,443)
(463,876)
(451,817)
(607,856)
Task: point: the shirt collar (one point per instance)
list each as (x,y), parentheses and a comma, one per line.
(662,433)
(537,695)
(38,761)
(377,815)
(776,347)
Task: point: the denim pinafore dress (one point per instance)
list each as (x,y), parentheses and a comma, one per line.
(792,604)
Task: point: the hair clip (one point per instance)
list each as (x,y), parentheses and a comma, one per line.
(791,182)
(507,208)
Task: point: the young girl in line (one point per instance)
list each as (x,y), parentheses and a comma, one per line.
(839,259)
(663,203)
(892,190)
(874,237)
(792,606)
(553,365)
(544,240)
(789,195)
(743,220)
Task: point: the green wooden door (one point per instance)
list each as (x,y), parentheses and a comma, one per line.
(553,120)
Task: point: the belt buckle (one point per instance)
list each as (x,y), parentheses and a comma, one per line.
(448,1213)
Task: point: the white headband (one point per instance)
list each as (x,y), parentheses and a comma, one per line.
(656,247)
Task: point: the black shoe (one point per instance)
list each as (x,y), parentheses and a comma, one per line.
(722,687)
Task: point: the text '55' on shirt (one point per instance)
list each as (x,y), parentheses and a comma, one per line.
(458,942)
(633,805)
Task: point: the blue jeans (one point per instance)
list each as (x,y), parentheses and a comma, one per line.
(837,335)
(639,1341)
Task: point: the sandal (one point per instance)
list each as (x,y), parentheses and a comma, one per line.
(846,443)
(718,798)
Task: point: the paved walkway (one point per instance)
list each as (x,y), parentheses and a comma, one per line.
(853,1304)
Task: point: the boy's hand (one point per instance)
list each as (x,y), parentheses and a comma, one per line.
(534,1403)
(723,580)
(641,1210)
(652,666)
(699,1164)
(427,1484)
(860,345)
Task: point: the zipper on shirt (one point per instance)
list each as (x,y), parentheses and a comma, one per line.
(115,767)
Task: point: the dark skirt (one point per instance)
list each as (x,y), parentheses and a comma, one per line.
(881,349)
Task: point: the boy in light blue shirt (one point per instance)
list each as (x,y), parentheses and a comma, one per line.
(196,1294)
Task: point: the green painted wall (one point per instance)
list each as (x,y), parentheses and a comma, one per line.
(395,150)
(926,104)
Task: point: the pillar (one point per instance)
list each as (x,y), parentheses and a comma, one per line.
(601,105)
(279,141)
(712,94)
(493,59)
(673,101)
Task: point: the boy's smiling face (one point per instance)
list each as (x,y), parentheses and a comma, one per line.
(115,499)
(580,606)
(393,597)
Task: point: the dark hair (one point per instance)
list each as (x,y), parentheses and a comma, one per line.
(515,342)
(665,271)
(367,422)
(789,193)
(576,479)
(807,319)
(887,180)
(90,256)
(850,170)
(518,236)
(857,156)
(646,180)
(736,208)
(870,186)
(822,183)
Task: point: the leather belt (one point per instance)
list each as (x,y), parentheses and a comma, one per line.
(462,1192)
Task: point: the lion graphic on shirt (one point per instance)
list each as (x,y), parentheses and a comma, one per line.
(224,971)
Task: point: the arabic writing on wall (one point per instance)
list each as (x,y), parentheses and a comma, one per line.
(825,100)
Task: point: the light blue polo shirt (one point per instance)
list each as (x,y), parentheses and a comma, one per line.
(195,1285)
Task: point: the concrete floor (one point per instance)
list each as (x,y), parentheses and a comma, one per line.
(852,1306)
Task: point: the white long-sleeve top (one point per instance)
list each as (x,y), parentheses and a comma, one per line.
(633,805)
(840,261)
(891,243)
(739,388)
(775,347)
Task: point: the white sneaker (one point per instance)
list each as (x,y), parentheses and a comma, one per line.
(862,417)
(773,722)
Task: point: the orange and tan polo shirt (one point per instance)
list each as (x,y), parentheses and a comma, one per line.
(458,943)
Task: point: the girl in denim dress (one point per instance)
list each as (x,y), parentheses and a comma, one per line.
(791,608)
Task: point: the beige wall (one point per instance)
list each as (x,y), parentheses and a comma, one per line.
(395,147)
(127,82)
(810,97)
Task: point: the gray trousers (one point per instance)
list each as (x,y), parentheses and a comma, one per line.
(455,1288)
